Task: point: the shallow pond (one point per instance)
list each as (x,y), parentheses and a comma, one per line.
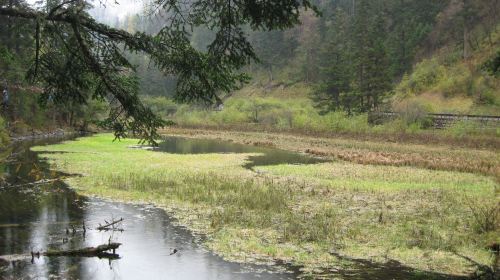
(266,156)
(35,217)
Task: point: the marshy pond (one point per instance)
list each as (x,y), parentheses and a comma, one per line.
(35,218)
(264,155)
(38,213)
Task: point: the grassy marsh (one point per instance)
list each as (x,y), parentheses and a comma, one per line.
(448,156)
(308,215)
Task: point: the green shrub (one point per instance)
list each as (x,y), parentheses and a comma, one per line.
(485,216)
(425,75)
(414,114)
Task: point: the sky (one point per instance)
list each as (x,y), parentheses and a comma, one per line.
(120,9)
(112,8)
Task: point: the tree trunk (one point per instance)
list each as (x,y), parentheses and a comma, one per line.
(85,252)
(465,44)
(270,69)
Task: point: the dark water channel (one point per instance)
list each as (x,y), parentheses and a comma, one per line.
(35,217)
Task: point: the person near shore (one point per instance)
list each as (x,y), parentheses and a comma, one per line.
(5,97)
(5,104)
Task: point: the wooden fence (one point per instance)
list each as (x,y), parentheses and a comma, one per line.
(439,121)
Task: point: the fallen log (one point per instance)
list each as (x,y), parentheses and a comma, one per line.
(8,259)
(109,226)
(99,251)
(33,184)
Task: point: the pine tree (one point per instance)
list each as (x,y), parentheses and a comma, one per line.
(377,79)
(361,52)
(370,59)
(334,89)
(77,58)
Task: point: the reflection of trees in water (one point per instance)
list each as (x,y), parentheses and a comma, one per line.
(23,165)
(37,221)
(267,156)
(35,217)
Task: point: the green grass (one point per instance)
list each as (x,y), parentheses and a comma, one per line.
(4,135)
(389,178)
(274,112)
(298,213)
(448,156)
(298,115)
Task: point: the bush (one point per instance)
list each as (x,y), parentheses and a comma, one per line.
(425,75)
(160,105)
(415,113)
(20,128)
(485,216)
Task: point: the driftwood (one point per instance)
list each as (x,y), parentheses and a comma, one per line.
(8,259)
(107,251)
(110,225)
(32,184)
(99,251)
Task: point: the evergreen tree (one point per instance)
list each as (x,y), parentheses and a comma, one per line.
(376,79)
(272,48)
(362,52)
(355,63)
(334,89)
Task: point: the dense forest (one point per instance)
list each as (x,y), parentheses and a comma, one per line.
(414,57)
(346,58)
(357,52)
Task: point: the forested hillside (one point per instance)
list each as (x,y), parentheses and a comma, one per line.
(358,56)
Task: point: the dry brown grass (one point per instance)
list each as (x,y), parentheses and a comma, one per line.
(430,137)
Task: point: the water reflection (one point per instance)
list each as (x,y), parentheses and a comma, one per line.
(35,217)
(267,156)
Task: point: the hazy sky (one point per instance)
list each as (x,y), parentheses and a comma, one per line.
(120,9)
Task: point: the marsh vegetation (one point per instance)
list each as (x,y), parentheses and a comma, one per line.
(314,215)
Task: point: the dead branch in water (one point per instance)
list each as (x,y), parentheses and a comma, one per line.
(32,184)
(110,225)
(99,251)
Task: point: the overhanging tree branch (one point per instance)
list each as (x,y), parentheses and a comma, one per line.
(83,59)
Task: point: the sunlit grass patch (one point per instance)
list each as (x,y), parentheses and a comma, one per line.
(386,178)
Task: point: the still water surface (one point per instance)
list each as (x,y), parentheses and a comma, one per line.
(266,156)
(36,218)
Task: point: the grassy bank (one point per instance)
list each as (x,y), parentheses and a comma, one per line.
(4,135)
(433,221)
(291,110)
